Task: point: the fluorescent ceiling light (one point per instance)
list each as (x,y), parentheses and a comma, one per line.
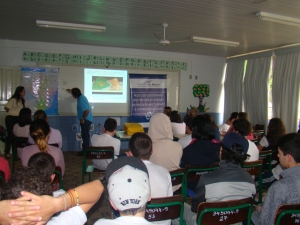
(215,41)
(70,26)
(278,19)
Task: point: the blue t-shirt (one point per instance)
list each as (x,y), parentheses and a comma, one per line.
(82,105)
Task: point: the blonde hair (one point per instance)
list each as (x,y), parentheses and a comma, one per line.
(39,130)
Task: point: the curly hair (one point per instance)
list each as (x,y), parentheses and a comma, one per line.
(28,179)
(275,130)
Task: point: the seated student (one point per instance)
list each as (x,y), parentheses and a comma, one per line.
(129,191)
(5,168)
(166,152)
(224,128)
(40,131)
(185,141)
(216,128)
(167,110)
(203,150)
(55,135)
(37,205)
(106,139)
(229,182)
(21,129)
(287,189)
(243,127)
(178,126)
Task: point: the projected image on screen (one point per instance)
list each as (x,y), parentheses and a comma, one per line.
(105,86)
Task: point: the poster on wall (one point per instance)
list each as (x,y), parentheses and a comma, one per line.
(41,85)
(148,95)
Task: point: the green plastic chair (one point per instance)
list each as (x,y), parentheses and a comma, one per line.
(91,152)
(58,178)
(193,174)
(254,168)
(165,209)
(266,157)
(177,178)
(288,214)
(225,212)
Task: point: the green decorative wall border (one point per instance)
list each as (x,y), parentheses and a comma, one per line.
(96,60)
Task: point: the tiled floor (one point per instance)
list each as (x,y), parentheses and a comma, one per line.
(72,178)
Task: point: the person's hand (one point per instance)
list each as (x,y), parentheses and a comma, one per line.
(69,90)
(82,121)
(46,206)
(258,208)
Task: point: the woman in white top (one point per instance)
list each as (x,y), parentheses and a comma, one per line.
(178,126)
(13,107)
(21,129)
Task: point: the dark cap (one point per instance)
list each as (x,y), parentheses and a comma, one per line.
(232,138)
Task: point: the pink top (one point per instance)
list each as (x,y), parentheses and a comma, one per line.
(54,138)
(5,168)
(55,152)
(21,131)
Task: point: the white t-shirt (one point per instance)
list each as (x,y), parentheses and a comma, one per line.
(252,151)
(224,128)
(123,220)
(102,141)
(74,216)
(178,128)
(264,142)
(14,107)
(185,141)
(55,138)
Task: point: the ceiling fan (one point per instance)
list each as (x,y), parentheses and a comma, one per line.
(164,41)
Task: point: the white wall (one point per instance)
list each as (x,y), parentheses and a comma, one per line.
(208,69)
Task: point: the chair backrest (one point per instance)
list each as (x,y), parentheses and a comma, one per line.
(288,214)
(93,152)
(258,134)
(54,144)
(253,167)
(165,208)
(193,173)
(225,212)
(266,157)
(2,178)
(20,142)
(177,177)
(57,181)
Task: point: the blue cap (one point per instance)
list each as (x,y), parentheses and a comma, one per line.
(232,138)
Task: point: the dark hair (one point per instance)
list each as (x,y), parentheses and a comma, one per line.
(167,110)
(140,145)
(234,154)
(242,126)
(290,144)
(110,124)
(27,179)
(24,117)
(275,130)
(188,120)
(42,162)
(17,95)
(39,129)
(233,115)
(76,92)
(243,115)
(202,128)
(211,119)
(134,211)
(175,117)
(39,115)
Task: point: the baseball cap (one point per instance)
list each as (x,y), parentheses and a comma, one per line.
(128,183)
(232,138)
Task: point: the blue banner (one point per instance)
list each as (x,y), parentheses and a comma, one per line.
(148,95)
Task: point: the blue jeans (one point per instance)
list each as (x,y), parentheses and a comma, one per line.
(85,133)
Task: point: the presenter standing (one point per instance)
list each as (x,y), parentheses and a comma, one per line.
(84,114)
(13,107)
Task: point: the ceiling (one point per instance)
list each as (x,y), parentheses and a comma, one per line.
(132,23)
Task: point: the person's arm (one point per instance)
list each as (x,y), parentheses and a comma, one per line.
(260,147)
(88,194)
(69,90)
(8,105)
(199,196)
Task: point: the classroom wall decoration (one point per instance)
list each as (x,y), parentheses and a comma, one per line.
(41,85)
(105,61)
(200,91)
